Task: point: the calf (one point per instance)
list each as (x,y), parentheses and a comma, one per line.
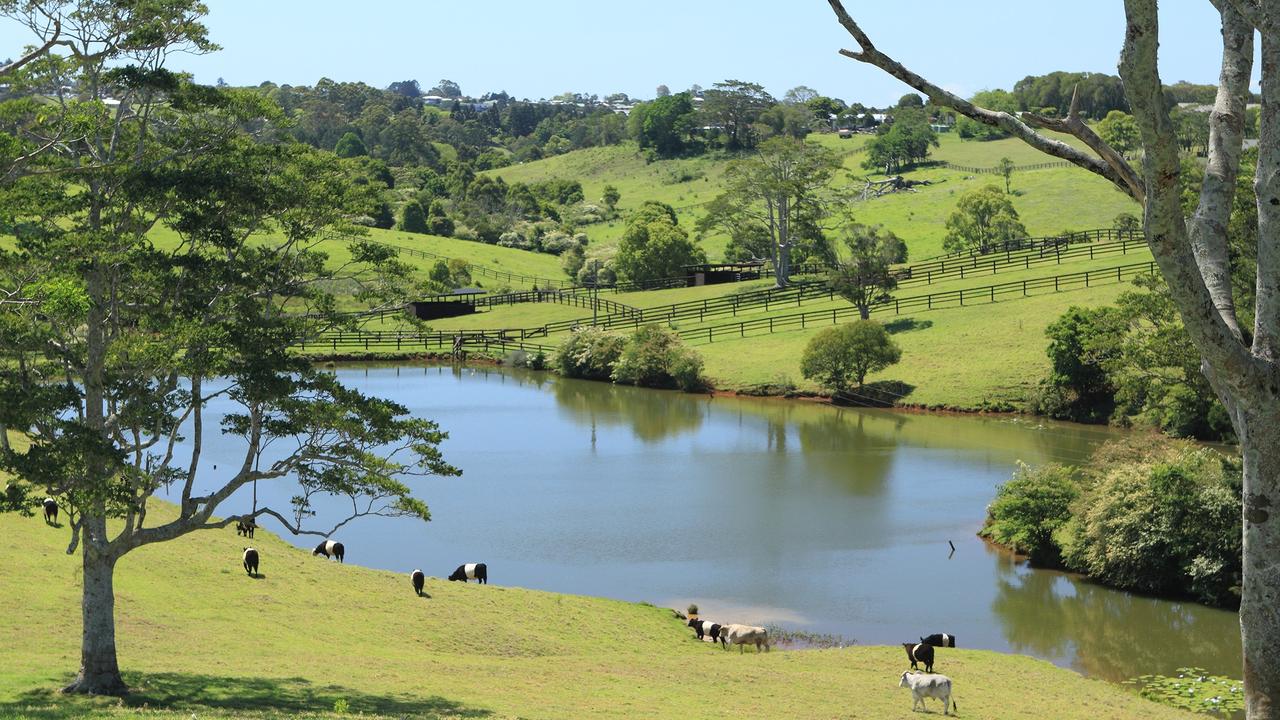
(706,628)
(929,686)
(329,548)
(50,510)
(250,561)
(471,571)
(246,527)
(743,635)
(418,580)
(919,652)
(939,640)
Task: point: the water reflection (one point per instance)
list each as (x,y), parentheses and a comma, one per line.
(652,415)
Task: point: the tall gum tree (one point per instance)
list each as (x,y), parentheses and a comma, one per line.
(1242,364)
(112,344)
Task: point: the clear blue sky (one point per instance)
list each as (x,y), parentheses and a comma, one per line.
(540,49)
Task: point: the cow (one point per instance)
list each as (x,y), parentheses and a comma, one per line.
(929,686)
(920,652)
(250,561)
(50,510)
(418,580)
(329,548)
(743,635)
(246,527)
(471,571)
(939,640)
(706,628)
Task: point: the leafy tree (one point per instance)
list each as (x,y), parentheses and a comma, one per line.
(842,356)
(384,219)
(438,220)
(984,218)
(1192,128)
(350,145)
(800,95)
(781,192)
(112,348)
(999,101)
(589,353)
(1096,93)
(793,121)
(910,100)
(663,124)
(867,277)
(1078,387)
(656,357)
(734,105)
(595,272)
(407,88)
(654,247)
(572,261)
(662,91)
(1126,223)
(1006,170)
(823,109)
(611,197)
(1029,509)
(1119,130)
(412,219)
(901,143)
(447,89)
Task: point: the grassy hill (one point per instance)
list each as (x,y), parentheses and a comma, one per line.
(198,638)
(1049,201)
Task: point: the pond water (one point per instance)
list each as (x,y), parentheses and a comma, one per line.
(764,511)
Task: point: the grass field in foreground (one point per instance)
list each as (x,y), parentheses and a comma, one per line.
(197,638)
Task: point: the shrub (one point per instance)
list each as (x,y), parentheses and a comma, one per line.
(556,243)
(652,358)
(589,353)
(1029,509)
(1167,524)
(842,355)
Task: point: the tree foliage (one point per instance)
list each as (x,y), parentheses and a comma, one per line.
(983,219)
(901,143)
(663,124)
(654,246)
(1029,509)
(840,357)
(733,105)
(656,357)
(866,277)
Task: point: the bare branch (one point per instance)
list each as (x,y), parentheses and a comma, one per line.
(53,39)
(1074,126)
(1002,120)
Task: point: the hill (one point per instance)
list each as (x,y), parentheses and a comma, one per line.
(199,638)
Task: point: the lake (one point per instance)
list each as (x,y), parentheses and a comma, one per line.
(814,518)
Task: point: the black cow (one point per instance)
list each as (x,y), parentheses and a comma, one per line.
(706,627)
(50,510)
(939,640)
(246,527)
(919,652)
(418,581)
(251,561)
(471,571)
(329,548)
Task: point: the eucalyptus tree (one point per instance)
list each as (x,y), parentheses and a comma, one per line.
(166,255)
(1241,363)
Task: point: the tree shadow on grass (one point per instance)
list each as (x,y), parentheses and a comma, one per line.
(906,324)
(234,697)
(882,393)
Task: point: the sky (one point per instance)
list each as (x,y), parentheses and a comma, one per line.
(541,49)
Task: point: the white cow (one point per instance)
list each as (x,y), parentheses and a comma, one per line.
(928,685)
(743,635)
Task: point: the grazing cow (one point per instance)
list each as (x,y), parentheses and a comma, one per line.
(329,548)
(246,527)
(743,635)
(706,628)
(939,640)
(251,561)
(919,652)
(418,580)
(929,686)
(471,571)
(50,510)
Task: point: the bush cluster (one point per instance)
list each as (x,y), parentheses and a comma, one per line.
(651,357)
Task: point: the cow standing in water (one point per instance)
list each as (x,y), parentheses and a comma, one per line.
(471,571)
(329,548)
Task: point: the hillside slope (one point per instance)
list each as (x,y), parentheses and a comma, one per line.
(200,639)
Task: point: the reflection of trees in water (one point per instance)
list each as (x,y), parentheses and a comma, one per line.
(850,448)
(652,415)
(1115,635)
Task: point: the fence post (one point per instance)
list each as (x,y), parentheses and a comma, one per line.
(961,297)
(993,293)
(1055,283)
(895,306)
(1024,288)
(1086,278)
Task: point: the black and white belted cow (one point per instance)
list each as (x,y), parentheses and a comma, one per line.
(705,628)
(471,571)
(246,526)
(250,561)
(920,653)
(939,640)
(330,548)
(50,510)
(418,581)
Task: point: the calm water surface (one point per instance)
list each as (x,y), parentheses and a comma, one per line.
(762,511)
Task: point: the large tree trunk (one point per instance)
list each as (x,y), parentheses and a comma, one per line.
(1259,430)
(99,671)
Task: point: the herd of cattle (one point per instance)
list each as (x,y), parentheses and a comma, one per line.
(923,685)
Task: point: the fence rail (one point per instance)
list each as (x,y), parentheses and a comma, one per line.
(1071,238)
(409,340)
(997,170)
(994,263)
(932,301)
